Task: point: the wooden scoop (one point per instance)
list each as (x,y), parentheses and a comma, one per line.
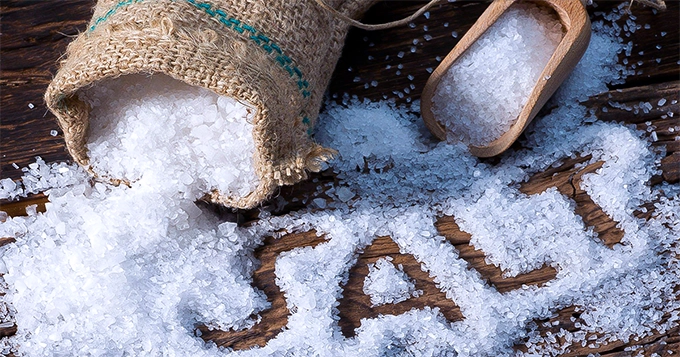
(576,24)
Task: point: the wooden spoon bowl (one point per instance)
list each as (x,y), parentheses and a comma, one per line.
(576,24)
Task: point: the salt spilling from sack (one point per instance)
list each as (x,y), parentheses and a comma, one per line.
(110,271)
(483,92)
(167,133)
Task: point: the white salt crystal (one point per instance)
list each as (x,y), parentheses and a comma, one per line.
(202,132)
(53,132)
(320,202)
(186,179)
(31,106)
(7,188)
(661,102)
(32,210)
(344,194)
(483,92)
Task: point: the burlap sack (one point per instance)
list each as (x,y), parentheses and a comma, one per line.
(277,55)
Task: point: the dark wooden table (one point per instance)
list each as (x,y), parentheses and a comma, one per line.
(35,33)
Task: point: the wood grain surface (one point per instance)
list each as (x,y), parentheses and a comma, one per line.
(35,34)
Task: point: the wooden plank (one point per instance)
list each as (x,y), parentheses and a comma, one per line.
(619,104)
(7,331)
(18,208)
(34,37)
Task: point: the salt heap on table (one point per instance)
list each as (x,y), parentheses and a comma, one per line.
(387,284)
(158,131)
(148,262)
(484,91)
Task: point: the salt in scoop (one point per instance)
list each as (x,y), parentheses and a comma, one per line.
(575,36)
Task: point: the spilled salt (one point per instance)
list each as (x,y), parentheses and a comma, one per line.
(133,270)
(483,92)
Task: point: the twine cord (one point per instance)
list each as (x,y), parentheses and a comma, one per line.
(656,4)
(373,27)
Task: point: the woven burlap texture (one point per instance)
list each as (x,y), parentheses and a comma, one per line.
(275,55)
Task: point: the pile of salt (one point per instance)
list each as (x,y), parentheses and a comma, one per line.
(195,139)
(388,284)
